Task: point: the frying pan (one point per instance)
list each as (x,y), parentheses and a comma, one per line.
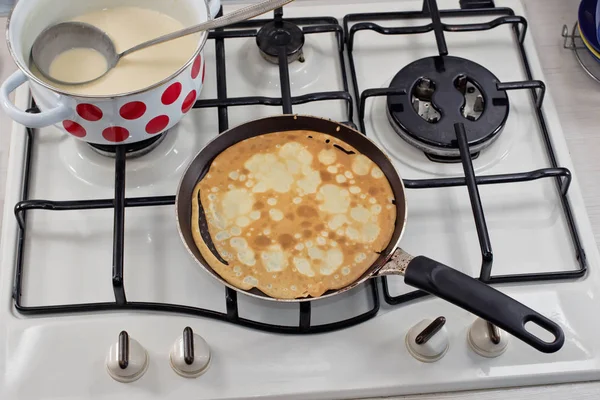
(420,272)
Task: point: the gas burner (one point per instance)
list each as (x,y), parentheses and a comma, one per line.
(132,150)
(443,91)
(275,34)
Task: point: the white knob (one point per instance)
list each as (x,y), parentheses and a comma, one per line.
(428,341)
(190,355)
(127,360)
(486,339)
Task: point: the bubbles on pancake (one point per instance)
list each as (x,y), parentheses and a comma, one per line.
(360,214)
(354,190)
(246,257)
(361,165)
(345,271)
(337,221)
(234,175)
(340,178)
(242,221)
(360,257)
(223,235)
(275,214)
(327,156)
(274,260)
(255,215)
(272,201)
(250,280)
(238,243)
(303,266)
(297,200)
(377,173)
(335,200)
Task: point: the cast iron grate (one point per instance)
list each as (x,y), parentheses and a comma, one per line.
(120,203)
(355,23)
(361,22)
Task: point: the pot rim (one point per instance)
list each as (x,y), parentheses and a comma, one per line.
(25,69)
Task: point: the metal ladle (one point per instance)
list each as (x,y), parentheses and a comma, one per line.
(59,38)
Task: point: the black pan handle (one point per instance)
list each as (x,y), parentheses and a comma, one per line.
(482,300)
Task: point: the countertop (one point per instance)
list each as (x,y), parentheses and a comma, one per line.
(577,99)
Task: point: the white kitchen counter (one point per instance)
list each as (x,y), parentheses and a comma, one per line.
(577,99)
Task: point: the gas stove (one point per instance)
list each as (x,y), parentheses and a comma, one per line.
(98,290)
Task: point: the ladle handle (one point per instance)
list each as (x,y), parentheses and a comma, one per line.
(242,14)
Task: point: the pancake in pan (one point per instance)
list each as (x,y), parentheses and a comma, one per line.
(294,214)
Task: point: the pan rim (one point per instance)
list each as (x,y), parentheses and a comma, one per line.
(370,273)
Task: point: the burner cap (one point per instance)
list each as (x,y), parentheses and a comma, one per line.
(442,91)
(276,34)
(132,150)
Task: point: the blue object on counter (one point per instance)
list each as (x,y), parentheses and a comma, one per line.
(588,22)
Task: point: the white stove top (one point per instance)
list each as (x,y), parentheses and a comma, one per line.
(68,254)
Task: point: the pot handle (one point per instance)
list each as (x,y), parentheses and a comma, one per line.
(482,300)
(40,120)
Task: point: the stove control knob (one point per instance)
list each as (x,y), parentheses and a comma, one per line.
(428,341)
(190,355)
(127,360)
(486,339)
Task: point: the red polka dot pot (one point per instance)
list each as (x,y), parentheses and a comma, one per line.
(118,119)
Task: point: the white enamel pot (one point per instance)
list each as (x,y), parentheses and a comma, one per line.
(109,120)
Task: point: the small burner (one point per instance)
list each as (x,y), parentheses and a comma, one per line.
(275,34)
(442,91)
(132,150)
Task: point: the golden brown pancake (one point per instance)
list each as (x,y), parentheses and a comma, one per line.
(294,215)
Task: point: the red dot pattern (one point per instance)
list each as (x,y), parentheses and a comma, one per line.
(196,67)
(172,93)
(115,134)
(89,112)
(137,109)
(189,101)
(74,129)
(157,124)
(133,110)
